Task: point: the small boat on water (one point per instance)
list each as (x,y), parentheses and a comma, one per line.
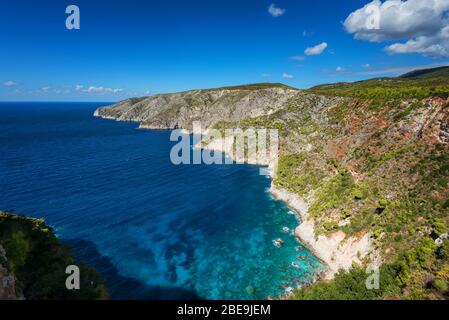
(299,248)
(286,229)
(291,212)
(278,243)
(296,265)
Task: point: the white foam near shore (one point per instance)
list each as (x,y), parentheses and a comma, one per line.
(337,250)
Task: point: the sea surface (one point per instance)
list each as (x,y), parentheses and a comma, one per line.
(152,229)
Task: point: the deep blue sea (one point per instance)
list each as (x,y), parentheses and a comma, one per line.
(152,229)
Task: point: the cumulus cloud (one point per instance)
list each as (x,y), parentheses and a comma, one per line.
(265,75)
(9,83)
(339,69)
(287,76)
(316,50)
(436,45)
(423,25)
(275,11)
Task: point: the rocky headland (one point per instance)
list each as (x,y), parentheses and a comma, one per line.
(365,165)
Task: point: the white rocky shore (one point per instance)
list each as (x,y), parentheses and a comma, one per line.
(337,250)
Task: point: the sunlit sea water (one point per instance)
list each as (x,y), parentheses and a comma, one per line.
(153,230)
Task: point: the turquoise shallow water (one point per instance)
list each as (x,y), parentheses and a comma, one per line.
(153,230)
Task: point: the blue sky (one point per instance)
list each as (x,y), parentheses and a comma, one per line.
(134,48)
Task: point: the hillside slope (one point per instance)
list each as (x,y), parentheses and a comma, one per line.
(416,84)
(371,169)
(440,72)
(33,264)
(179,110)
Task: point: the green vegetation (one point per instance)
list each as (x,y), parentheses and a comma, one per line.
(351,286)
(412,276)
(401,90)
(371,157)
(296,173)
(334,193)
(418,85)
(265,122)
(439,72)
(39,260)
(18,248)
(385,173)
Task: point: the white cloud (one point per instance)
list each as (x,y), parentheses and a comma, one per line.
(287,76)
(93,89)
(298,58)
(97,90)
(339,69)
(265,75)
(316,50)
(45,89)
(9,83)
(275,11)
(366,66)
(424,25)
(436,45)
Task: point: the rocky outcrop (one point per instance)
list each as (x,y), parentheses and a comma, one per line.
(337,250)
(24,244)
(180,110)
(351,168)
(7,280)
(444,130)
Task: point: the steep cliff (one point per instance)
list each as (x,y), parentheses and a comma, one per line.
(179,110)
(33,264)
(366,165)
(8,290)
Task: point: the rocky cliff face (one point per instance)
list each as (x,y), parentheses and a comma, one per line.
(7,280)
(372,174)
(179,110)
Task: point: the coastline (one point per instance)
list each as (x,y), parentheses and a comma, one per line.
(336,251)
